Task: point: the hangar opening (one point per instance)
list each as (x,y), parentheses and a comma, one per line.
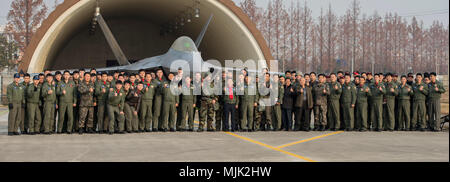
(65,41)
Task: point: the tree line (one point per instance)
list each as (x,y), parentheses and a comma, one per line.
(327,43)
(379,43)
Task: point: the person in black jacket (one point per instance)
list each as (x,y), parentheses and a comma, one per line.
(288,103)
(131,107)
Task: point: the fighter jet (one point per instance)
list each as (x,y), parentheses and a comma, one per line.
(183,49)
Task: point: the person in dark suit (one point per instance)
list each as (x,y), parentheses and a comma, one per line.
(288,104)
(303,104)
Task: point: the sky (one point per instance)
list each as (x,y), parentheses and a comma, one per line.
(427,10)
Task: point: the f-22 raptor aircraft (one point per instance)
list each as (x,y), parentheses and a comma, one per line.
(183,48)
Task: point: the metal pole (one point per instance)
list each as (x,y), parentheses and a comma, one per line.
(373,69)
(352,63)
(436,62)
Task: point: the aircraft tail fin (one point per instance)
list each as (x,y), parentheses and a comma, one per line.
(202,33)
(118,53)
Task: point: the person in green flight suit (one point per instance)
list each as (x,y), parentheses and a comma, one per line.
(170,97)
(405,92)
(248,100)
(420,90)
(146,114)
(334,106)
(33,102)
(277,115)
(101,92)
(67,93)
(24,122)
(116,100)
(435,90)
(377,90)
(49,95)
(158,101)
(348,101)
(389,109)
(15,94)
(363,94)
(187,105)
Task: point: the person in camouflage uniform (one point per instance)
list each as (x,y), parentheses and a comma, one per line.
(15,94)
(405,92)
(86,109)
(66,90)
(389,108)
(207,101)
(94,81)
(435,90)
(320,93)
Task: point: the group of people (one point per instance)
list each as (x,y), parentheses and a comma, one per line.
(121,102)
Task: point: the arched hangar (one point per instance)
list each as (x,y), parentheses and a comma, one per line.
(65,39)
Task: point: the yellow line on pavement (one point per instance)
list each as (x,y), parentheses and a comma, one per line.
(309,139)
(271,147)
(3,112)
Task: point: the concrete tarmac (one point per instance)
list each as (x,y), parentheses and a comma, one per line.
(282,146)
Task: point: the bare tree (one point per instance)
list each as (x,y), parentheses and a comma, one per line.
(249,7)
(285,37)
(331,38)
(354,17)
(416,36)
(24,19)
(320,29)
(374,43)
(8,50)
(307,23)
(277,26)
(293,35)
